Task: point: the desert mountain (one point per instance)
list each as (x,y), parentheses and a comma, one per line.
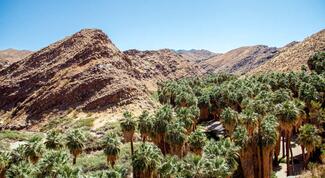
(240,60)
(294,56)
(10,56)
(85,71)
(195,54)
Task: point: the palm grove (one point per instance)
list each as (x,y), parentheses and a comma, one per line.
(259,113)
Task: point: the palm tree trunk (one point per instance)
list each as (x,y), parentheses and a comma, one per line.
(293,170)
(132,151)
(259,162)
(3,174)
(247,161)
(74,160)
(287,153)
(283,148)
(277,149)
(303,154)
(266,152)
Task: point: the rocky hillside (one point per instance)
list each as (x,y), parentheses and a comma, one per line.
(86,72)
(294,56)
(240,60)
(195,54)
(10,56)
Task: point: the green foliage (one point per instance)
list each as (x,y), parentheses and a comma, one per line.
(54,140)
(128,123)
(111,144)
(21,170)
(317,62)
(75,140)
(309,137)
(197,139)
(146,158)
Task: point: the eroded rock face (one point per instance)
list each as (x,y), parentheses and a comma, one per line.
(84,71)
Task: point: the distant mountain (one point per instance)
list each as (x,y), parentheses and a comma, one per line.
(196,54)
(10,56)
(294,56)
(240,60)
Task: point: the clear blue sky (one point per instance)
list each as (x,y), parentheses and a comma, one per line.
(216,25)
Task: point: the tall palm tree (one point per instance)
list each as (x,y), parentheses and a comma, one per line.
(246,154)
(287,113)
(75,140)
(34,149)
(163,117)
(249,119)
(176,138)
(146,161)
(128,128)
(54,140)
(145,125)
(229,119)
(268,136)
(197,141)
(308,138)
(111,148)
(22,169)
(4,163)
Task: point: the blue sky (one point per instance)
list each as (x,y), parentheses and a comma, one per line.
(216,25)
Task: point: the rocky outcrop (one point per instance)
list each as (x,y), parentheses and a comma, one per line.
(293,56)
(196,54)
(240,60)
(85,71)
(10,56)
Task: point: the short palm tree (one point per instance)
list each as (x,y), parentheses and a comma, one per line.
(111,148)
(128,128)
(146,161)
(23,169)
(308,138)
(75,140)
(34,149)
(4,163)
(197,141)
(53,164)
(54,140)
(145,125)
(229,119)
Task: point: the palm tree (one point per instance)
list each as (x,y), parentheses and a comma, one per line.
(316,62)
(34,149)
(268,136)
(229,119)
(53,140)
(111,148)
(169,168)
(52,164)
(244,141)
(21,170)
(160,123)
(204,104)
(128,128)
(4,163)
(197,141)
(308,138)
(185,116)
(176,138)
(146,161)
(144,125)
(287,114)
(249,119)
(75,140)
